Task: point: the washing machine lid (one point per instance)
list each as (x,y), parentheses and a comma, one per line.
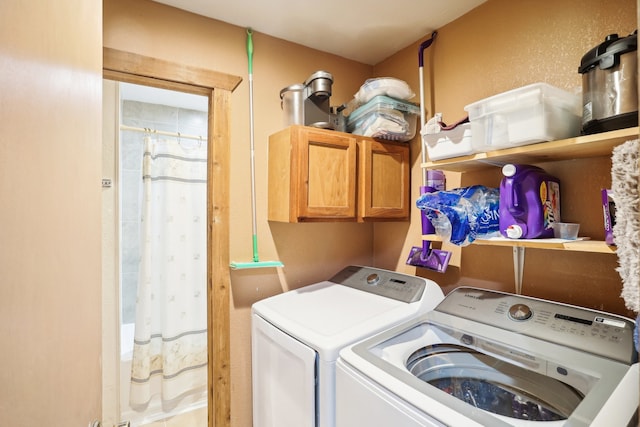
(540,369)
(493,385)
(327,316)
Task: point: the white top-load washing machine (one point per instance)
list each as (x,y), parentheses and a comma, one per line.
(297,335)
(486,358)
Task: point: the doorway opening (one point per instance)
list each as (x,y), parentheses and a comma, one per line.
(160,155)
(130,67)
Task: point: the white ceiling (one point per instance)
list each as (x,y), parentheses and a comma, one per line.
(353,29)
(362,30)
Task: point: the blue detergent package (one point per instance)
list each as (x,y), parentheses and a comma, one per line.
(463,214)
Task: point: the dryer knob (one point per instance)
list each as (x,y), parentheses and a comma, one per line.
(373,279)
(520,312)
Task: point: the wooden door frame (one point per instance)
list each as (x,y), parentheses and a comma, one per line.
(133,68)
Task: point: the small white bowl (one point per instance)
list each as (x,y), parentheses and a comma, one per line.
(565,230)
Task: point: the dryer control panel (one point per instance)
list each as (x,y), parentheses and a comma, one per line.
(596,332)
(390,284)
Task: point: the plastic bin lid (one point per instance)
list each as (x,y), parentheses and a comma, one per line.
(383,102)
(521,97)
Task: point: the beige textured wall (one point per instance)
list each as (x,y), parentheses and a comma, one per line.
(502,45)
(50,157)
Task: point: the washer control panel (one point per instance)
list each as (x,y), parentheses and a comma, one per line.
(589,330)
(390,284)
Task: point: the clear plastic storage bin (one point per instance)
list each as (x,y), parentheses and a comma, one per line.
(443,144)
(384,118)
(533,113)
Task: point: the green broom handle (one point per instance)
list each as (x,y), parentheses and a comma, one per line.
(255,263)
(252,148)
(250,49)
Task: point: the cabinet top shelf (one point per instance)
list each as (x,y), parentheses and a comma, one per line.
(595,145)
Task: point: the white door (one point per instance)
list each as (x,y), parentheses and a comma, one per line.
(50,213)
(284,378)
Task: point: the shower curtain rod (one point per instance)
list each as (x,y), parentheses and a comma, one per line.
(161,132)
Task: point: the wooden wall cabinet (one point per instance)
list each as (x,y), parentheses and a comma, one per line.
(323,175)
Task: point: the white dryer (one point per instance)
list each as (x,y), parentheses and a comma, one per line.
(297,335)
(486,358)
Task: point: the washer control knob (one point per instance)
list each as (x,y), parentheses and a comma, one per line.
(373,279)
(520,312)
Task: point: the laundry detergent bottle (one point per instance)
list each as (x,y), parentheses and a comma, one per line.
(529,202)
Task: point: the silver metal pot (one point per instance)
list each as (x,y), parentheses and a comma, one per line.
(610,85)
(292,104)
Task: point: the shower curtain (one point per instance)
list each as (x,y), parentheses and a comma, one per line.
(170,345)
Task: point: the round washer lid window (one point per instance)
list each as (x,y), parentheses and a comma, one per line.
(493,385)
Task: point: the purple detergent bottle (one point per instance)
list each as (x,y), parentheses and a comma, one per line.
(529,202)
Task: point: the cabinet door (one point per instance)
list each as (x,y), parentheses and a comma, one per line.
(326,175)
(384,181)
